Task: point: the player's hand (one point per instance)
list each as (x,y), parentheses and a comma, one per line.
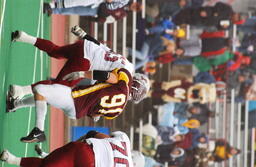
(74,76)
(110,19)
(96,119)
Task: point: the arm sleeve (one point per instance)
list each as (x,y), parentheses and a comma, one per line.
(90,38)
(122,75)
(120,136)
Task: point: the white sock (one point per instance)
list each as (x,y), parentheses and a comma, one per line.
(25,102)
(44,154)
(52,4)
(21,91)
(24,37)
(12,159)
(41,110)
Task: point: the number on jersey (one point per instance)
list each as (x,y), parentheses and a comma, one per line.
(115,101)
(123,151)
(111,56)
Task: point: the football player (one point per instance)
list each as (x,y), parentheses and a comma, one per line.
(94,150)
(137,157)
(111,4)
(107,98)
(84,55)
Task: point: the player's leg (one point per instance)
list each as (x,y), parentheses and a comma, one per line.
(49,47)
(18,91)
(40,152)
(37,133)
(15,94)
(74,154)
(9,158)
(56,95)
(13,104)
(72,65)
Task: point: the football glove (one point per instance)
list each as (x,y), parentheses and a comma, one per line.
(74,76)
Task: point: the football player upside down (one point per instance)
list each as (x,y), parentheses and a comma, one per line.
(106,98)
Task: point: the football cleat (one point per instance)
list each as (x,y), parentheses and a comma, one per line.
(10,101)
(15,35)
(78,31)
(4,155)
(47,9)
(15,91)
(36,135)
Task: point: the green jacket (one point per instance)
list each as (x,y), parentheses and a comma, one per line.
(205,64)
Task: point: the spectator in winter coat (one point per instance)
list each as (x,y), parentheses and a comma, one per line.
(167,135)
(171,8)
(207,44)
(152,47)
(167,29)
(248,44)
(221,16)
(199,140)
(187,142)
(169,153)
(234,64)
(200,112)
(108,12)
(249,26)
(183,91)
(204,77)
(204,64)
(223,151)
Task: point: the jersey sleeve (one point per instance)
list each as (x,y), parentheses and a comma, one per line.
(119,135)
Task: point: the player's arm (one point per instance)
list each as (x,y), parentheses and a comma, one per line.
(102,76)
(93,134)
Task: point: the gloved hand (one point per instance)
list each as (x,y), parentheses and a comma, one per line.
(110,19)
(74,76)
(96,119)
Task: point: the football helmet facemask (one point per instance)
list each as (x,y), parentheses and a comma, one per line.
(140,87)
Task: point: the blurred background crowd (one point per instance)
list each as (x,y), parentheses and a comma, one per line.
(201,58)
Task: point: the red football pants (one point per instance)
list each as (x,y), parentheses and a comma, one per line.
(74,154)
(74,53)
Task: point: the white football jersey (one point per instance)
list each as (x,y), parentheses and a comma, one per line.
(75,3)
(102,58)
(112,152)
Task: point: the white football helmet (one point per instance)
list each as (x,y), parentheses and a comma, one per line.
(140,87)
